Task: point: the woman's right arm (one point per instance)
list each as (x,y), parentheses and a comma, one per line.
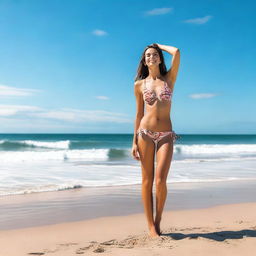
(138,117)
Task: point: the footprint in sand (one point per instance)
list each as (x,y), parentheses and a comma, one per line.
(99,249)
(36,253)
(83,249)
(128,243)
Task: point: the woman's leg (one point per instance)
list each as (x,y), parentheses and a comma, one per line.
(146,148)
(163,156)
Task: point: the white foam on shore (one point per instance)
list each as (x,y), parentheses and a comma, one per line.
(205,149)
(54,188)
(53,176)
(30,156)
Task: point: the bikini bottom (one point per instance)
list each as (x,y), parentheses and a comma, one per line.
(158,136)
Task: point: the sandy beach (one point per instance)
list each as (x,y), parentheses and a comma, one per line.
(86,87)
(222,230)
(199,219)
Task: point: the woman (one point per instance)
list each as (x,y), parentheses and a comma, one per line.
(153,135)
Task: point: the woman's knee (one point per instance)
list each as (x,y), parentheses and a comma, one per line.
(147,182)
(160,182)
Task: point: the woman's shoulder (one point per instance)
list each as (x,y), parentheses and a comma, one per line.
(138,86)
(138,83)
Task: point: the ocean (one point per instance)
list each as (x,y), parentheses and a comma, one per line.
(31,163)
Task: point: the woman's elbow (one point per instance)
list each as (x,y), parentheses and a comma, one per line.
(177,51)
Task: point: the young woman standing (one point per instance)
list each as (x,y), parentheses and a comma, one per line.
(153,134)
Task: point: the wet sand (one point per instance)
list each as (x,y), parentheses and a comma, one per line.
(39,209)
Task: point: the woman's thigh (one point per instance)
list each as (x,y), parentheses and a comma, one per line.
(164,157)
(146,148)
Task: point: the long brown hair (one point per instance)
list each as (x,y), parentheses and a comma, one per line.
(142,71)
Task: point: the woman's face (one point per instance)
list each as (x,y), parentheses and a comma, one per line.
(152,57)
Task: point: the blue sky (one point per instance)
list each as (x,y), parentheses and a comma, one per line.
(69,66)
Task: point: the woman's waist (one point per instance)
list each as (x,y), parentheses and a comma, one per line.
(156,118)
(155,123)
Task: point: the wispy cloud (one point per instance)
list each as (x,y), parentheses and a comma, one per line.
(158,11)
(102,97)
(199,21)
(98,32)
(22,124)
(197,96)
(63,114)
(9,91)
(11,110)
(79,116)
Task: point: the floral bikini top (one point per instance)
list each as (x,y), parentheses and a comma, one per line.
(150,96)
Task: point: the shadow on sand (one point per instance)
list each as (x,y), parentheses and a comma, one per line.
(217,236)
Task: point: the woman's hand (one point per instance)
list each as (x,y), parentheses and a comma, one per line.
(170,49)
(158,45)
(135,152)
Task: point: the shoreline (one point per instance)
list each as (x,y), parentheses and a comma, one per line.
(226,230)
(39,209)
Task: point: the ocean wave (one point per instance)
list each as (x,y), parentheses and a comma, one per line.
(179,149)
(63,155)
(206,149)
(29,150)
(118,153)
(26,144)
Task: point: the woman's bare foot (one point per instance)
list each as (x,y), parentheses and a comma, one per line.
(153,232)
(157,227)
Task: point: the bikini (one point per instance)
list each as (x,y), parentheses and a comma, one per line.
(150,97)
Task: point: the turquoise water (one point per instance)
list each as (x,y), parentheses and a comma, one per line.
(49,162)
(87,141)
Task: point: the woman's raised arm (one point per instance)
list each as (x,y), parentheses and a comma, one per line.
(173,71)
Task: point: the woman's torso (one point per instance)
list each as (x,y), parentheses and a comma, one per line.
(157,102)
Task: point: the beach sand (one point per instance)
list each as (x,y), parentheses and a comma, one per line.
(199,219)
(220,230)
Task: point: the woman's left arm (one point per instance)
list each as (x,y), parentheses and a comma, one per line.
(173,71)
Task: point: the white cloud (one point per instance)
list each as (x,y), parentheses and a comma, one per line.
(202,95)
(11,110)
(13,91)
(25,125)
(102,97)
(159,11)
(79,116)
(99,32)
(199,21)
(65,114)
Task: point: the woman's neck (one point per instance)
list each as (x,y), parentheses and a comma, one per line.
(154,73)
